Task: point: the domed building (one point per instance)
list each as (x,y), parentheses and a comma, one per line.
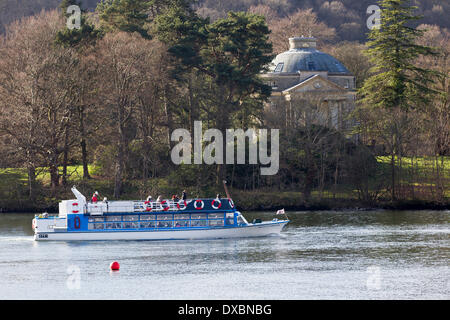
(303,75)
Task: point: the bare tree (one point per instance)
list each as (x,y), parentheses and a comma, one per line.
(301,23)
(33,91)
(122,77)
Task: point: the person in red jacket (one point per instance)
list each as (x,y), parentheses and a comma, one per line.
(95,197)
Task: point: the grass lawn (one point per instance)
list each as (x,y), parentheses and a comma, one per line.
(421,172)
(417,173)
(421,163)
(74,173)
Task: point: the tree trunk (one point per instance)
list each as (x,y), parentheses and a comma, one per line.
(84,153)
(393,176)
(65,156)
(168,115)
(54,176)
(31,182)
(120,160)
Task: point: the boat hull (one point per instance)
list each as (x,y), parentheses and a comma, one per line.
(250,230)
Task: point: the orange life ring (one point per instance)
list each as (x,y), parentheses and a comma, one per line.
(202,204)
(216,200)
(184,203)
(165,202)
(148,205)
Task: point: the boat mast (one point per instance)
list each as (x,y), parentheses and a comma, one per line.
(226,189)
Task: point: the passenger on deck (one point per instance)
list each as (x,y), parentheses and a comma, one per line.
(175,198)
(184,195)
(95,197)
(218,196)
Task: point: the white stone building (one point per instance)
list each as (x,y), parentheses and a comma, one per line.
(303,74)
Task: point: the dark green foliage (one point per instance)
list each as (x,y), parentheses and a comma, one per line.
(185,33)
(86,34)
(134,15)
(348,17)
(397,85)
(124,15)
(197,68)
(397,81)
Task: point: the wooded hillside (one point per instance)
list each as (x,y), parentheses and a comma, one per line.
(348,17)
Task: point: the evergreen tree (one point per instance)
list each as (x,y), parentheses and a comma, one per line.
(124,15)
(397,84)
(229,55)
(79,40)
(73,37)
(135,15)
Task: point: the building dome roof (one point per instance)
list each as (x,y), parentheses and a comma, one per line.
(303,56)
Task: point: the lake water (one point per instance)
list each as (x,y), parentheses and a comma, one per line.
(320,255)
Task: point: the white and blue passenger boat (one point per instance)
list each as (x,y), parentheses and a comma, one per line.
(79,219)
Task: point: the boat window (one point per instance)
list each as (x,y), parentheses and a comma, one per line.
(95,226)
(96,219)
(113,225)
(198,223)
(113,218)
(131,218)
(148,217)
(198,216)
(279,67)
(181,223)
(229,221)
(215,216)
(129,224)
(148,224)
(165,224)
(182,216)
(215,223)
(240,220)
(229,218)
(165,217)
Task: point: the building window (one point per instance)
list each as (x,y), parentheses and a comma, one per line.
(347,84)
(279,67)
(273,84)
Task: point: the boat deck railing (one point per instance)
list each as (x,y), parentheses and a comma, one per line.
(158,206)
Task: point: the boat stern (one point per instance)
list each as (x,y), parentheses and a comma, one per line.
(45,225)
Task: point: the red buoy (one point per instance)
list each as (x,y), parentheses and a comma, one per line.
(114,266)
